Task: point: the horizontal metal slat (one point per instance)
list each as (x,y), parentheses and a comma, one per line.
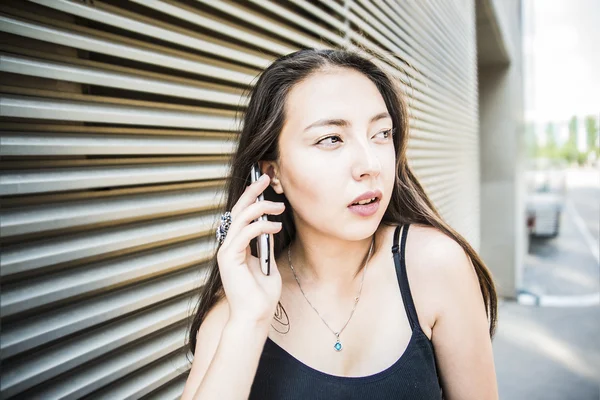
(441,192)
(442,134)
(89,212)
(56,109)
(113,131)
(315,29)
(114,16)
(56,180)
(163,374)
(447,120)
(35,255)
(114,101)
(435,182)
(101,277)
(27,107)
(425,172)
(114,367)
(23,335)
(193,16)
(414,153)
(53,144)
(89,42)
(418,103)
(454,30)
(170,391)
(414,28)
(97,76)
(423,12)
(62,164)
(140,71)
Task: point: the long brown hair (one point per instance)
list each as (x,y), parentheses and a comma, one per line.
(262,123)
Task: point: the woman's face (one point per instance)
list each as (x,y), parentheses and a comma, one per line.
(324,166)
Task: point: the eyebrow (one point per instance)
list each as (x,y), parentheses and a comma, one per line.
(343,122)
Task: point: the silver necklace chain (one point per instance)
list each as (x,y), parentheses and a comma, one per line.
(338,345)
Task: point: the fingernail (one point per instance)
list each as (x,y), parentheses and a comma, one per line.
(263,177)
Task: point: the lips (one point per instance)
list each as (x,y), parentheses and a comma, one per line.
(365,210)
(372,194)
(371,200)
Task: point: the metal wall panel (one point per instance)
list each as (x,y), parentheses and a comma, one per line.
(118,119)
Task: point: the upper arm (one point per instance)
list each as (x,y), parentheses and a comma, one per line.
(207,341)
(460,334)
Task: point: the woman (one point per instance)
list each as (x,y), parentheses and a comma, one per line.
(356,307)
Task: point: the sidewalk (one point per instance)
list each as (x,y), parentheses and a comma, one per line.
(548,353)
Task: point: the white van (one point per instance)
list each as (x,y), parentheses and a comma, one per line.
(546,190)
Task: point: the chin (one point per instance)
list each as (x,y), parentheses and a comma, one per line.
(359,230)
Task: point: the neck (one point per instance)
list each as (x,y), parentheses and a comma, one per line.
(330,263)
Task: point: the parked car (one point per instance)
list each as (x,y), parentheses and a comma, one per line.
(546,184)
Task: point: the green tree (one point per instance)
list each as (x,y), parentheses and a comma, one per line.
(573,125)
(550,149)
(591,127)
(569,149)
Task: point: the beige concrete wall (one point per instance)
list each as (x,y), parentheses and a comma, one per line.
(503,233)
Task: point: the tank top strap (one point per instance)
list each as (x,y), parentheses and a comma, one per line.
(400,262)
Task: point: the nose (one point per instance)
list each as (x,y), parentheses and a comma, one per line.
(365,162)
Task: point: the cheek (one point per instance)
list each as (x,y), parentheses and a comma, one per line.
(313,184)
(388,172)
(309,183)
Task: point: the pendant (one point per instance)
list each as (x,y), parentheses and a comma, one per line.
(338,345)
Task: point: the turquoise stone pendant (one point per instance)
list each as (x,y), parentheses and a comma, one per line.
(338,345)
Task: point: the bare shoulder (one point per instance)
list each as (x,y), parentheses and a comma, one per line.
(438,269)
(207,341)
(436,250)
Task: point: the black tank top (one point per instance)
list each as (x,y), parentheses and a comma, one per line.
(413,376)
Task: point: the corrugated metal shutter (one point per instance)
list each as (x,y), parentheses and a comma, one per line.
(118,119)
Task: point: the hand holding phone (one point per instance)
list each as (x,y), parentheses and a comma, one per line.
(252,295)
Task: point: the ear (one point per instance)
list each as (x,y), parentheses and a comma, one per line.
(272,169)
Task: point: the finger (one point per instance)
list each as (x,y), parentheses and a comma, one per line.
(250,214)
(250,194)
(255,211)
(240,242)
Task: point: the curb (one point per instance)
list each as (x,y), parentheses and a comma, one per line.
(531,299)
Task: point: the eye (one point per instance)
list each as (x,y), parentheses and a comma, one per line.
(388,133)
(329,137)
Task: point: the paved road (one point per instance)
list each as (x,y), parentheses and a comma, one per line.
(584,194)
(567,265)
(553,353)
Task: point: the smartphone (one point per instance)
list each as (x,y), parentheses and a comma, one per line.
(263,248)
